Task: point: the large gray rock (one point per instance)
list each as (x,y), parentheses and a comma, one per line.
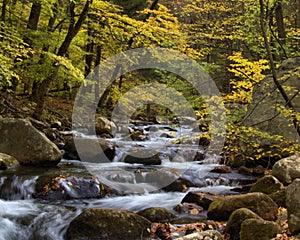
(267,184)
(293,206)
(259,203)
(24,142)
(254,229)
(234,223)
(207,235)
(104,224)
(287,169)
(262,112)
(7,161)
(91,149)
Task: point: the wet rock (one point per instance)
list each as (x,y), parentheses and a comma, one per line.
(90,149)
(279,198)
(64,188)
(157,214)
(188,208)
(138,135)
(105,126)
(252,229)
(293,206)
(287,169)
(56,124)
(104,224)
(234,223)
(200,198)
(267,184)
(24,142)
(221,169)
(179,185)
(145,156)
(7,161)
(199,156)
(207,235)
(258,171)
(259,203)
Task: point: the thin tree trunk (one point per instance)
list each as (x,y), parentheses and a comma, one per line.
(272,65)
(97,62)
(280,23)
(46,84)
(3,10)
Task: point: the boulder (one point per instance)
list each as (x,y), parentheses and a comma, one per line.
(208,234)
(24,142)
(157,214)
(89,149)
(259,203)
(179,185)
(279,197)
(293,206)
(105,126)
(200,198)
(233,225)
(261,112)
(104,224)
(188,208)
(7,161)
(145,156)
(287,169)
(252,229)
(267,184)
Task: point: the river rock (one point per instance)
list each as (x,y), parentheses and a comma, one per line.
(24,142)
(188,208)
(65,188)
(7,161)
(179,185)
(105,126)
(90,149)
(200,198)
(157,214)
(287,169)
(259,203)
(293,206)
(207,235)
(252,229)
(267,184)
(233,225)
(144,156)
(104,224)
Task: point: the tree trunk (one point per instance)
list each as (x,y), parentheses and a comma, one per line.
(90,51)
(280,23)
(97,62)
(3,10)
(44,87)
(272,65)
(34,15)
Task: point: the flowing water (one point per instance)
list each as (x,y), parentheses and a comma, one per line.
(25,217)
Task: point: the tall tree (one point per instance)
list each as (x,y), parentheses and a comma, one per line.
(74,28)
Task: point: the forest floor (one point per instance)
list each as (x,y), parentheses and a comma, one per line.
(56,109)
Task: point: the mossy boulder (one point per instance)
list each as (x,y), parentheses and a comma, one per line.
(293,206)
(104,224)
(259,203)
(279,197)
(24,142)
(267,184)
(233,225)
(252,229)
(157,214)
(7,161)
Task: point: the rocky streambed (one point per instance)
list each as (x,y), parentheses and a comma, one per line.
(177,192)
